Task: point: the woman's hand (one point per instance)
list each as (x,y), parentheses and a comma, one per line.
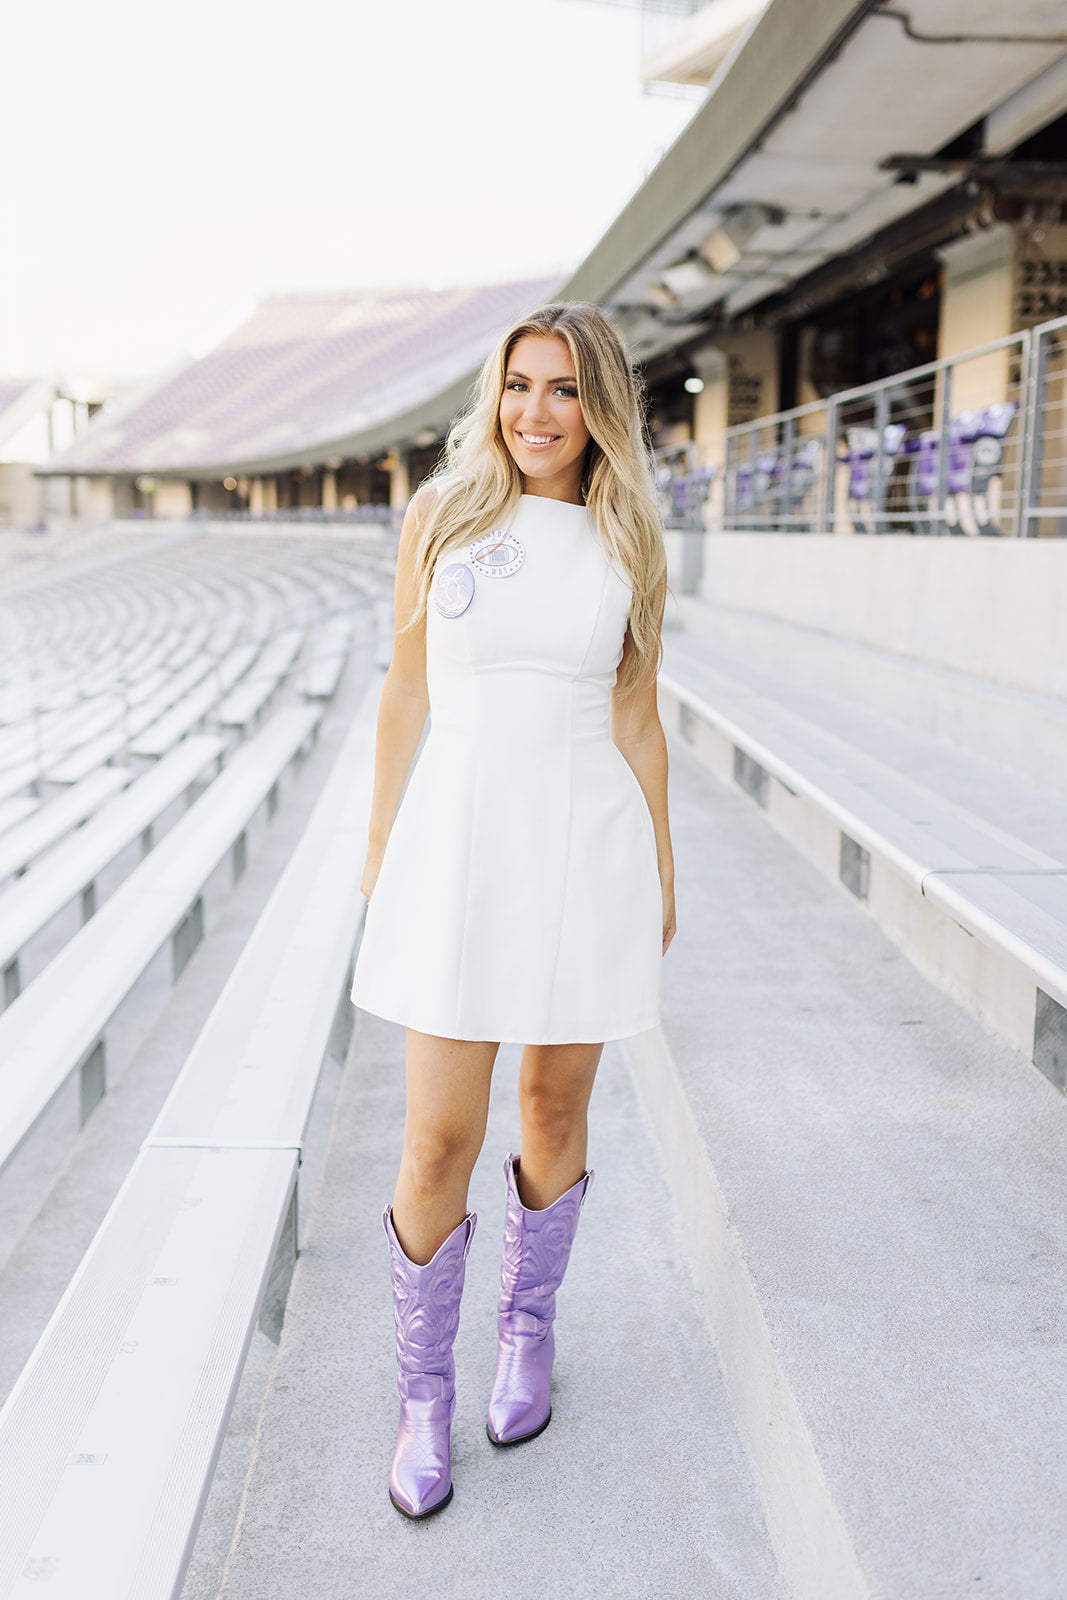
(670,927)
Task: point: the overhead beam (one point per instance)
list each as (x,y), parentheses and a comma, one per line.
(788,47)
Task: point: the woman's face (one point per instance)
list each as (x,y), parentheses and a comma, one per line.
(541,419)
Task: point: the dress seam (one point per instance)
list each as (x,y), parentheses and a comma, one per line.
(594,630)
(465,936)
(566,868)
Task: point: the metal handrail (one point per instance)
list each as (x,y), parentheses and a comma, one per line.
(780,475)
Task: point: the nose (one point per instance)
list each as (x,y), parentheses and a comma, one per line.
(536,407)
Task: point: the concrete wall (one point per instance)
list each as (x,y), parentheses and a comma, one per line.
(21,495)
(172,501)
(989,607)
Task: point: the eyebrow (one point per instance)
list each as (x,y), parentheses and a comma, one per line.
(513,374)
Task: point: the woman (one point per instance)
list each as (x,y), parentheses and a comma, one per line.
(526,893)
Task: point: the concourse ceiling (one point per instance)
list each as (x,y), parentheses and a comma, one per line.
(875,81)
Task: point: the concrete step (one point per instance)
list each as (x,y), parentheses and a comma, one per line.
(638,1488)
(872,1188)
(934,717)
(963,862)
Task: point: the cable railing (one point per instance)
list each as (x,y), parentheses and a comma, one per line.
(974,444)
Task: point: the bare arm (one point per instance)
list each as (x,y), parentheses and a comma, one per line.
(638,733)
(403,706)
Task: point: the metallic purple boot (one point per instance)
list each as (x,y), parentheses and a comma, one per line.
(426,1311)
(537,1247)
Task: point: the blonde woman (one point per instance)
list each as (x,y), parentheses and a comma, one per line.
(522,889)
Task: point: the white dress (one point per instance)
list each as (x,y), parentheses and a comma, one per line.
(518,898)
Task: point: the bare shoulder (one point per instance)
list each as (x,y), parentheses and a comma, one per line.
(425,498)
(418,508)
(423,501)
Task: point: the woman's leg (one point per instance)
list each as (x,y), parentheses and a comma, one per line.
(429,1234)
(555,1083)
(546,1188)
(447,1104)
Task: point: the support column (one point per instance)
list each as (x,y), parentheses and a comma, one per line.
(329,491)
(400,482)
(709,424)
(256,497)
(976,308)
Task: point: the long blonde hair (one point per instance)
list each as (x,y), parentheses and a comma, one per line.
(478,486)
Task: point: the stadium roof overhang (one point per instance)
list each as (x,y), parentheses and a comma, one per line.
(794,160)
(786,175)
(791,162)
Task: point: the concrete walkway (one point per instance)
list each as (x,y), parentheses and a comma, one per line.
(638,1488)
(880,1222)
(870,1188)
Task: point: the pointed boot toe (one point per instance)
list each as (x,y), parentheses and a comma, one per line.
(514,1424)
(520,1406)
(420,1481)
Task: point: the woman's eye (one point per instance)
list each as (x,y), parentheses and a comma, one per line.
(568,394)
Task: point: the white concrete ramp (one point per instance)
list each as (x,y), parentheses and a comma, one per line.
(638,1487)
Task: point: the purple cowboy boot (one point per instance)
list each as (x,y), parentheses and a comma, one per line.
(537,1247)
(426,1312)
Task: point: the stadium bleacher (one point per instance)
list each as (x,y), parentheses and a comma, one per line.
(863,1178)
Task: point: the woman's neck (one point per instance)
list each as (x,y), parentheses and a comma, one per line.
(565,488)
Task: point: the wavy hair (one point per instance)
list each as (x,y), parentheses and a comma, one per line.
(478,485)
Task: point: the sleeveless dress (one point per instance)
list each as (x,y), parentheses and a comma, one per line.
(518,898)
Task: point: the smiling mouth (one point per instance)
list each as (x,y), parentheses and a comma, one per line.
(539,440)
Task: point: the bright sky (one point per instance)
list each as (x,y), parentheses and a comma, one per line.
(177,162)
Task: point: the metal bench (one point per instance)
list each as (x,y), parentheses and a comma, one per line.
(189,712)
(72,867)
(1007,895)
(53,1033)
(322,670)
(45,825)
(110,1438)
(14,811)
(244,706)
(84,756)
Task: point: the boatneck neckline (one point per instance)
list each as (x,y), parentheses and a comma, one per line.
(550,500)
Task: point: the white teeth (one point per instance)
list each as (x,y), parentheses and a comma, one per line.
(537,438)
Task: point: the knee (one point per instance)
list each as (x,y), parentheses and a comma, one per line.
(552,1116)
(438,1155)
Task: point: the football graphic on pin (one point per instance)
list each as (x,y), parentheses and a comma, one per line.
(497,555)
